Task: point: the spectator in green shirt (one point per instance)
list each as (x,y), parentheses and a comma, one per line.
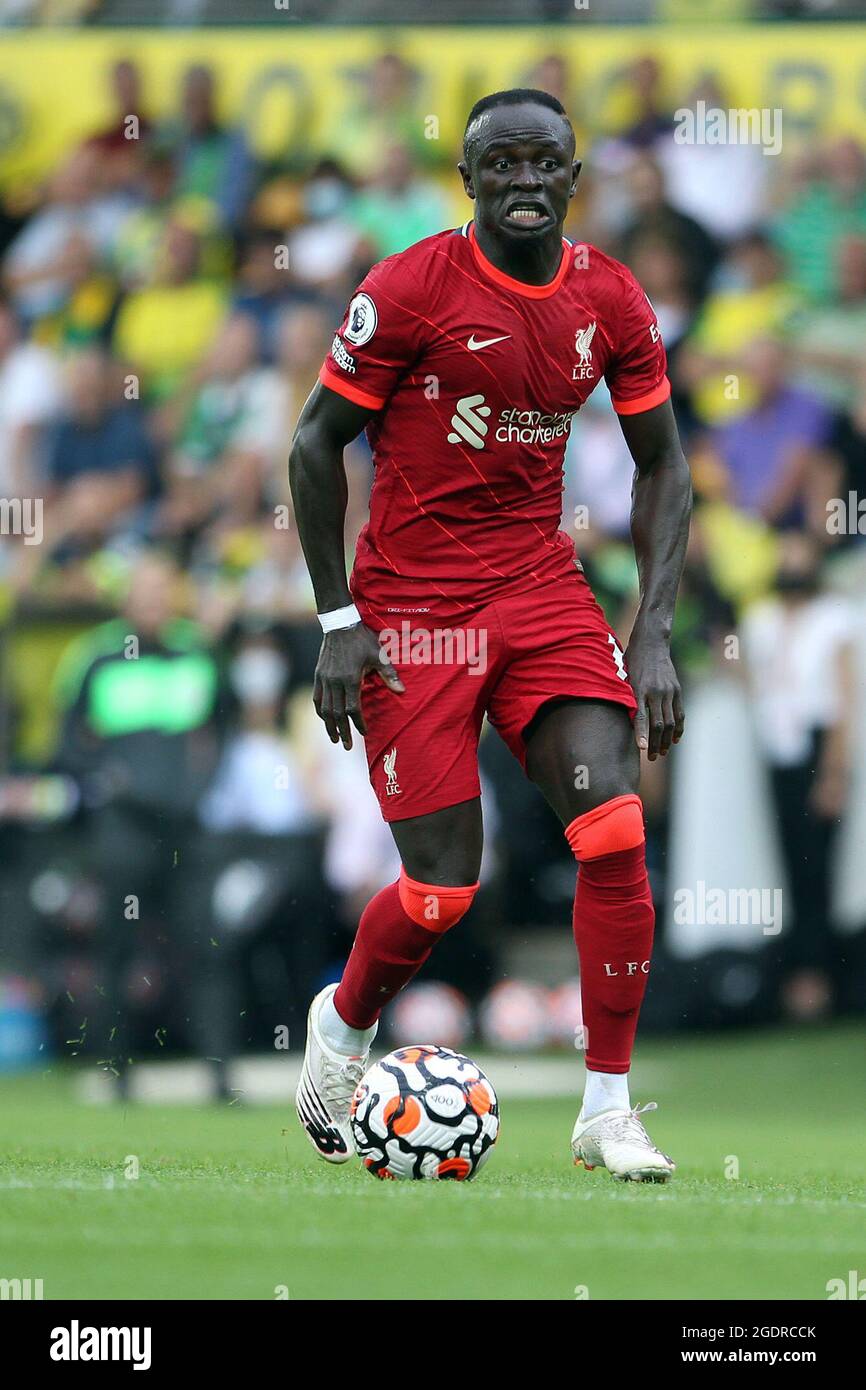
(399,207)
(830,208)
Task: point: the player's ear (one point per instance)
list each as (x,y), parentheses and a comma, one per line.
(576,166)
(466,175)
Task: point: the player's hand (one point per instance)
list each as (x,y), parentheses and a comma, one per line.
(345,658)
(660,717)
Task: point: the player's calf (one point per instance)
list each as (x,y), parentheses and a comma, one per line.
(397,932)
(613,930)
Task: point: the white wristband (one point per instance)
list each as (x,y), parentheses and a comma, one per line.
(340,618)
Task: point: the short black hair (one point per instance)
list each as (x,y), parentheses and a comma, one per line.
(512,96)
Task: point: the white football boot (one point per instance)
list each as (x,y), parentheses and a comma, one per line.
(616,1140)
(325,1089)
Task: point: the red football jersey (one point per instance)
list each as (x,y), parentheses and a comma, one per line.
(475,378)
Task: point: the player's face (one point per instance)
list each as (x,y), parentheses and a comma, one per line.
(523,171)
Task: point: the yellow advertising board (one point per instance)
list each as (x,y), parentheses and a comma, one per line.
(293,88)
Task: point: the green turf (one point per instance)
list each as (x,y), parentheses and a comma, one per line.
(231,1203)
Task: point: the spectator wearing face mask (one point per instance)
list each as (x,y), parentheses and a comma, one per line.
(324,247)
(798,650)
(265,914)
(246,793)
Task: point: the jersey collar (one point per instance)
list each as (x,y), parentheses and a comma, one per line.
(507,282)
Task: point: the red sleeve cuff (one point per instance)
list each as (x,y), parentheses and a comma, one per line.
(345,388)
(653,398)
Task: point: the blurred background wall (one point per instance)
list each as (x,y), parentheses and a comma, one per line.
(184,212)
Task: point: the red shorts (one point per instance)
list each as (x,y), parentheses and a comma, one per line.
(506,662)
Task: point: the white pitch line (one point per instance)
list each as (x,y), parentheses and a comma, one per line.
(272,1080)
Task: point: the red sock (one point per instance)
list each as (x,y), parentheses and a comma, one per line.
(613,928)
(391,945)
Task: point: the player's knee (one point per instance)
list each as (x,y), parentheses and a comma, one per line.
(433,905)
(613,826)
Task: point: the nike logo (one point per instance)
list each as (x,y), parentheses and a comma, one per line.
(474,346)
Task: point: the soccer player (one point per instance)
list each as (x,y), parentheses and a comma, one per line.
(465,358)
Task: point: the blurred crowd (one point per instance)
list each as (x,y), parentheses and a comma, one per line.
(166,303)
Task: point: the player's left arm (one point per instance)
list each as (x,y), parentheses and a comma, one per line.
(661,508)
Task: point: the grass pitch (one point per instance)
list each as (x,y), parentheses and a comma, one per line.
(230,1202)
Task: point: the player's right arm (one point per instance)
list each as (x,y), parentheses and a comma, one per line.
(317,476)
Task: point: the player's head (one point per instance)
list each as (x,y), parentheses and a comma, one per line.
(518,162)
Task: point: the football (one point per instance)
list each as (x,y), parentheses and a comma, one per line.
(424,1112)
